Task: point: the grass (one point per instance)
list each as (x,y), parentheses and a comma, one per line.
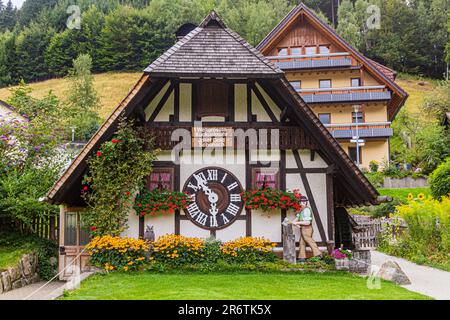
(402,194)
(238,286)
(417,88)
(112,88)
(10,255)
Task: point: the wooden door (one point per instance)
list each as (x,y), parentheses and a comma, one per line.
(74,236)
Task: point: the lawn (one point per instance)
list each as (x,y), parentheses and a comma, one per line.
(10,256)
(402,194)
(237,286)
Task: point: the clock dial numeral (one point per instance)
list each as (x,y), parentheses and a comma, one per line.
(232,186)
(223,178)
(193,210)
(213,175)
(193,187)
(202,218)
(235,197)
(233,209)
(225,219)
(213,222)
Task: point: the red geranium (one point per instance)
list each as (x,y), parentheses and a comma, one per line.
(99,153)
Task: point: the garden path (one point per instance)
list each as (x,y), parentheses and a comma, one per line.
(36,291)
(429,281)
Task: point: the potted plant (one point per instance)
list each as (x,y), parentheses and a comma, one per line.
(342,258)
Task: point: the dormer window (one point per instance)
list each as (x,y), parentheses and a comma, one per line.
(282,51)
(324,50)
(310,51)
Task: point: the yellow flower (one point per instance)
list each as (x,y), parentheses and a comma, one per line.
(421,196)
(410,196)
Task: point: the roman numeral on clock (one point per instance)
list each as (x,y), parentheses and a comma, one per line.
(225,219)
(223,178)
(193,187)
(213,221)
(193,210)
(232,209)
(213,174)
(235,197)
(201,218)
(232,186)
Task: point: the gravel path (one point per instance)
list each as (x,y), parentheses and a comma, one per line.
(36,291)
(429,281)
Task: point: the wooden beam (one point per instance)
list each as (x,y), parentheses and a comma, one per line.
(264,103)
(310,196)
(161,103)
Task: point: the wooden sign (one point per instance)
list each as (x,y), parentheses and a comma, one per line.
(212,137)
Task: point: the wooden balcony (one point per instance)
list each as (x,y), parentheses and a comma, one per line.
(363,130)
(290,137)
(345,94)
(316,61)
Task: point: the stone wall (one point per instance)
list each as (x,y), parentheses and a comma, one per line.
(25,273)
(408,182)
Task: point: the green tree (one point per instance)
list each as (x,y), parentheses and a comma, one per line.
(82,101)
(31,45)
(8,73)
(348,25)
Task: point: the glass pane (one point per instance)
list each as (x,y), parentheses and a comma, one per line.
(84,232)
(325,83)
(357,117)
(325,118)
(265,180)
(296,51)
(70,229)
(160,180)
(310,51)
(324,49)
(282,52)
(356,82)
(296,84)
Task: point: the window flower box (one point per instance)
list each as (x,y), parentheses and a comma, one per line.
(160,202)
(271,200)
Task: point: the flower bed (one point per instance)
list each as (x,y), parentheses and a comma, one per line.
(116,253)
(177,250)
(271,199)
(158,202)
(249,249)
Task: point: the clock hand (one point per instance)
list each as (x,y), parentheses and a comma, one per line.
(212,196)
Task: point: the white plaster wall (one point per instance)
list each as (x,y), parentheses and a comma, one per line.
(305,156)
(162,224)
(266,226)
(133,225)
(272,105)
(234,231)
(240,102)
(165,111)
(185,101)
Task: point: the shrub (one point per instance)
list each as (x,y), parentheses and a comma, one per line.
(178,250)
(374,165)
(249,250)
(116,253)
(440,180)
(375,178)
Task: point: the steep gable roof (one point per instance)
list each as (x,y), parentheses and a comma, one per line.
(211,50)
(362,191)
(382,73)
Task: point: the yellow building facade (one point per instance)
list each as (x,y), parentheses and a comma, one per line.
(354,97)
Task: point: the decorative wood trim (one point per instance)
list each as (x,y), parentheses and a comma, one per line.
(141,227)
(231,103)
(306,170)
(161,103)
(194,102)
(248,184)
(312,155)
(264,103)
(177,188)
(176,101)
(330,205)
(310,196)
(249,103)
(283,182)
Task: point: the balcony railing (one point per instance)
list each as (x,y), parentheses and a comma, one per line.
(365,130)
(316,61)
(345,94)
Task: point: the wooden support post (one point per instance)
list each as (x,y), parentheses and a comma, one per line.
(288,243)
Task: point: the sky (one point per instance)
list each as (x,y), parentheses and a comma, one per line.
(17,3)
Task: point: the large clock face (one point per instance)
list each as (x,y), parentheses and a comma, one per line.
(216,195)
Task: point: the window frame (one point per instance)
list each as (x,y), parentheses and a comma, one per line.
(170,170)
(272,171)
(324,46)
(356,78)
(299,50)
(320,84)
(362,117)
(325,113)
(296,81)
(310,54)
(353,149)
(280,49)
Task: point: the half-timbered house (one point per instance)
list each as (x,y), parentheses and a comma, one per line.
(214,77)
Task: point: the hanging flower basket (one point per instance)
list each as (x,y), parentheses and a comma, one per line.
(271,200)
(160,202)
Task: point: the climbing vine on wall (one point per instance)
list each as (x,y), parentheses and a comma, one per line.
(115,173)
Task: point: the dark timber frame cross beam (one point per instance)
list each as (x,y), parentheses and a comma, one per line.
(310,196)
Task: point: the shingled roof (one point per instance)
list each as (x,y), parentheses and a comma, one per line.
(213,50)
